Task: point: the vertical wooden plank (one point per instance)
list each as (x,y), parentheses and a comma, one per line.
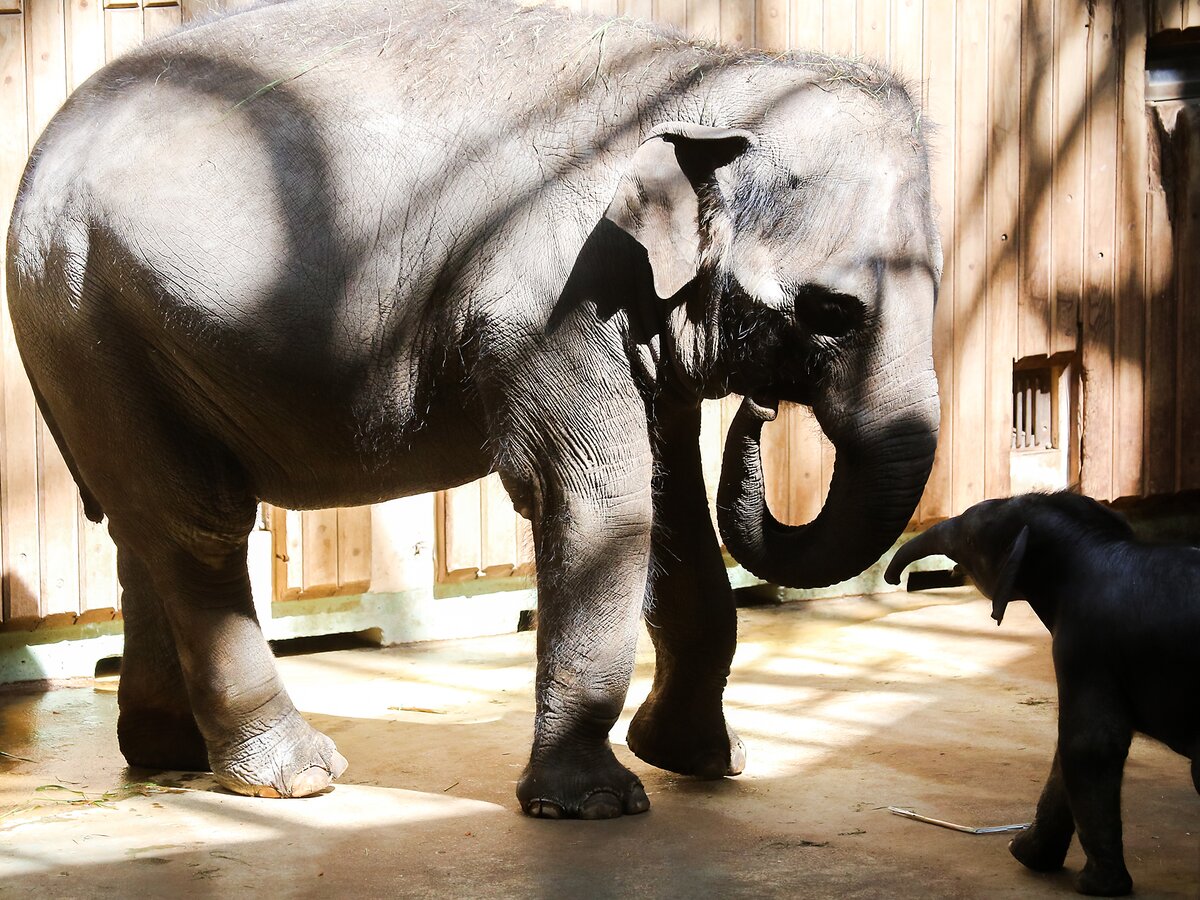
(1037,161)
(940,74)
(711,446)
(85,40)
(45,55)
(970,288)
(906,40)
(1165,14)
(122,28)
(46,85)
(1187,256)
(197,9)
(18,487)
(637,9)
(704,19)
(602,7)
(353,549)
(1003,209)
(1130,362)
(319,531)
(525,548)
(737,22)
(461,540)
(98,585)
(776,466)
(841,27)
(1070,177)
(673,13)
(806,23)
(1098,321)
(499,529)
(874,41)
(1191,13)
(293,552)
(10,6)
(58,523)
(1161,385)
(402,544)
(804,469)
(771,26)
(158,21)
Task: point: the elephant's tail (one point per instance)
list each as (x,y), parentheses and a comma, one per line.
(91,506)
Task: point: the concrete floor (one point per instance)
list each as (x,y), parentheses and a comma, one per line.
(846,707)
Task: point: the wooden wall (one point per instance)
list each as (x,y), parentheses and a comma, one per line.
(1059,239)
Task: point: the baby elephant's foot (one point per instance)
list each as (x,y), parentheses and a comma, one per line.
(1104,881)
(566,787)
(1038,849)
(161,739)
(287,759)
(681,738)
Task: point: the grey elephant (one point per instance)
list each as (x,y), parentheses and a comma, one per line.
(1125,620)
(324,254)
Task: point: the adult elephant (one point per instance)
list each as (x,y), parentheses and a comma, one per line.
(325,254)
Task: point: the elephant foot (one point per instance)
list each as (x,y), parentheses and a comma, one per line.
(1039,851)
(566,788)
(1106,881)
(288,759)
(158,739)
(670,736)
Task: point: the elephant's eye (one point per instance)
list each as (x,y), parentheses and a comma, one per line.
(828,313)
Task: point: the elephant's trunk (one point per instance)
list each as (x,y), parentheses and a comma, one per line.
(884,446)
(936,540)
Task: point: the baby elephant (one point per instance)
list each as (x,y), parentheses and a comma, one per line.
(1125,621)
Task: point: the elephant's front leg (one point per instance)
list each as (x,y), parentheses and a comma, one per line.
(690,614)
(592,533)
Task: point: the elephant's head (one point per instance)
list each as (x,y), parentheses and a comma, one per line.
(798,259)
(1015,547)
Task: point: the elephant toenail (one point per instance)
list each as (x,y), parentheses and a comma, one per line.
(638,802)
(737,758)
(310,781)
(338,765)
(544,809)
(601,805)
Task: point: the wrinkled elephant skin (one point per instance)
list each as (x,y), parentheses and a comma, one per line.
(1125,623)
(324,254)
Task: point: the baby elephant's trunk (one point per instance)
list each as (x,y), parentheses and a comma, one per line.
(935,540)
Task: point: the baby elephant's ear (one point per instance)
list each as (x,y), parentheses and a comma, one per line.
(1006,581)
(656,202)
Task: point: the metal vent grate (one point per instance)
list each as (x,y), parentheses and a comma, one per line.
(1032,410)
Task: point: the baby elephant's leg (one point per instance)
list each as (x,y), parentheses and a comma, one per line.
(1043,845)
(1093,741)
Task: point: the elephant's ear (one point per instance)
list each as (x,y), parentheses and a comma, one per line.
(656,202)
(1006,581)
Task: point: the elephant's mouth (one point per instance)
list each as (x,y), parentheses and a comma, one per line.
(768,355)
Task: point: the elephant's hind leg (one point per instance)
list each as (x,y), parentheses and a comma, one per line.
(690,614)
(181,514)
(257,743)
(1043,846)
(156,728)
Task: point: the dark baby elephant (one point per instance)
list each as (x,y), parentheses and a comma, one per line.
(1125,621)
(325,254)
